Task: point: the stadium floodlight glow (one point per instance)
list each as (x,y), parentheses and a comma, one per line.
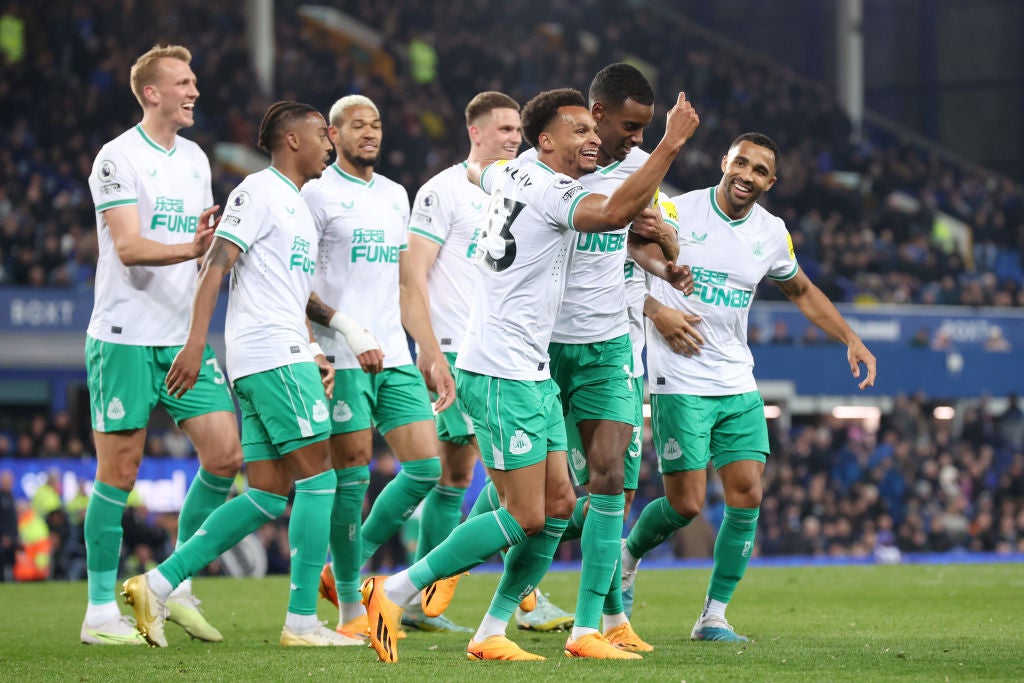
(772,412)
(944,412)
(857,412)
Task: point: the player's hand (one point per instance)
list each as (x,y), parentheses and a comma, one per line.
(681,121)
(679,330)
(326,374)
(371,361)
(184,370)
(680,277)
(650,225)
(857,353)
(205,229)
(440,377)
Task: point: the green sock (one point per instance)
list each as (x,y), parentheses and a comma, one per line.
(525,566)
(469,544)
(103,540)
(613,601)
(602,532)
(575,528)
(487,501)
(226,526)
(204,495)
(657,522)
(346,534)
(397,501)
(733,546)
(309,533)
(442,512)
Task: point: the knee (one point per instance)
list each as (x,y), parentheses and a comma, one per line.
(426,471)
(744,494)
(119,472)
(685,506)
(531,521)
(226,462)
(561,503)
(606,482)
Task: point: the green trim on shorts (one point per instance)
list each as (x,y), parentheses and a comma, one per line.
(126,382)
(391,398)
(596,380)
(283,410)
(517,422)
(690,431)
(454,425)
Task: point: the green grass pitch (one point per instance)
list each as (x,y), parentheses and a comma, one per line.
(957,622)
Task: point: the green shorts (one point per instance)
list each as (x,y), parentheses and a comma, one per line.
(691,430)
(596,379)
(126,382)
(391,398)
(517,422)
(454,424)
(283,410)
(578,469)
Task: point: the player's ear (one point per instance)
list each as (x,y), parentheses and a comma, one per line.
(597,110)
(292,138)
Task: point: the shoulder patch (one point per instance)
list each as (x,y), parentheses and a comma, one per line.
(563,182)
(789,244)
(107,170)
(428,200)
(670,209)
(240,201)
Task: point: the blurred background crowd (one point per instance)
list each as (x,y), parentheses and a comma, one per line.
(875,220)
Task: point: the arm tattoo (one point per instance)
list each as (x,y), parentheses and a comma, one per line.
(318,311)
(218,255)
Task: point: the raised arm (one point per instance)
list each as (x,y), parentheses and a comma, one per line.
(187,363)
(600,213)
(817,308)
(135,250)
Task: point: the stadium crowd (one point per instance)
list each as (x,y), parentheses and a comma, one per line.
(871,221)
(832,489)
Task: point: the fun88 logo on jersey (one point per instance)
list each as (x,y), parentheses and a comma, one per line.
(169,213)
(709,286)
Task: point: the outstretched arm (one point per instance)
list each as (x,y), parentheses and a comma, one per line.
(187,363)
(817,308)
(363,344)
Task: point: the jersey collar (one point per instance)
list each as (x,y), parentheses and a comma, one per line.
(149,141)
(351,178)
(721,214)
(544,166)
(605,170)
(284,178)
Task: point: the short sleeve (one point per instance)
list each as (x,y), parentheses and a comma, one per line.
(314,199)
(669,212)
(561,198)
(430,214)
(245,218)
(490,174)
(112,181)
(784,265)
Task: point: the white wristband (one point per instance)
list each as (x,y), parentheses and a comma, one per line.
(356,336)
(315,349)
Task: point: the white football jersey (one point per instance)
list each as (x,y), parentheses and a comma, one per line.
(147,305)
(362,227)
(525,256)
(637,288)
(450,211)
(272,277)
(728,259)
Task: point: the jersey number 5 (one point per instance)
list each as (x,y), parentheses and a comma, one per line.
(509,210)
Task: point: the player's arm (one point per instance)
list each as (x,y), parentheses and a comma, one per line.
(416,321)
(651,226)
(650,256)
(419,259)
(599,213)
(320,358)
(677,328)
(363,344)
(184,370)
(135,250)
(817,308)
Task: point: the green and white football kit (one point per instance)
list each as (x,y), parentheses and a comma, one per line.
(139,321)
(278,383)
(363,227)
(450,211)
(706,407)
